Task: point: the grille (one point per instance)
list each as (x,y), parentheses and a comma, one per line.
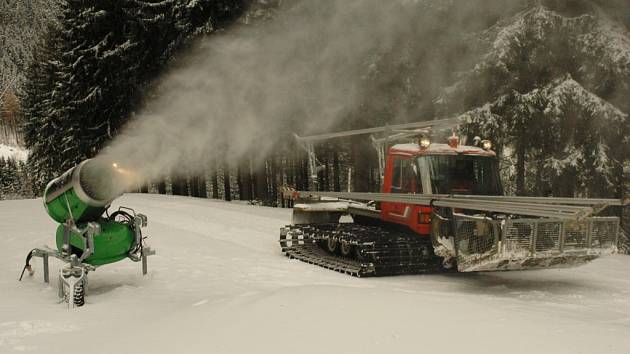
(604,234)
(480,239)
(475,236)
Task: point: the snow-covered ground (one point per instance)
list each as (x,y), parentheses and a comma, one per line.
(219,284)
(9,151)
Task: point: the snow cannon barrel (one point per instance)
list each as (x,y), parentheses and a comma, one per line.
(82,193)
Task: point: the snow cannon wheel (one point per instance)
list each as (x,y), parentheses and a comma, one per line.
(79,295)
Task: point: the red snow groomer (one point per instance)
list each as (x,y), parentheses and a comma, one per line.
(441,207)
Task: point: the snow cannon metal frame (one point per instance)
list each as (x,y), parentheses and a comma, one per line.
(87,236)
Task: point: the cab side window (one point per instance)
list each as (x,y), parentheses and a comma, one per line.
(404,177)
(397,176)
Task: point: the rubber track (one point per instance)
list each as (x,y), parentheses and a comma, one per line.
(378,251)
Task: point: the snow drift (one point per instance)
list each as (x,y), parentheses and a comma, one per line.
(13,152)
(220,284)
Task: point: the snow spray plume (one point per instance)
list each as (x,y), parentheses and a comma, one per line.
(106,180)
(241,91)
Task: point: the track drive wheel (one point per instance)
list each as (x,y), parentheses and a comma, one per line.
(332,245)
(346,249)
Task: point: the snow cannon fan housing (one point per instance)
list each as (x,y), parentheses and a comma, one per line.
(82,193)
(80,196)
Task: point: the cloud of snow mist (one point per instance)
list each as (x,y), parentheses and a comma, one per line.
(240,92)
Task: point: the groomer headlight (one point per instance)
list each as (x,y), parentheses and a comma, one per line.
(425,142)
(486,144)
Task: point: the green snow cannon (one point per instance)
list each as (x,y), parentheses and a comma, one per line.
(82,195)
(87,235)
(112,243)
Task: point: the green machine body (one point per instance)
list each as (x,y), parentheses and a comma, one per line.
(81,195)
(111,245)
(87,235)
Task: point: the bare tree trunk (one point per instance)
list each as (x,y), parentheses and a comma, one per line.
(520,168)
(262,192)
(539,187)
(625,195)
(336,169)
(161,186)
(320,178)
(249,188)
(326,171)
(244,181)
(239,182)
(305,175)
(274,180)
(290,169)
(360,162)
(194,186)
(371,178)
(227,190)
(283,177)
(215,180)
(177,187)
(297,171)
(185,190)
(203,186)
(564,184)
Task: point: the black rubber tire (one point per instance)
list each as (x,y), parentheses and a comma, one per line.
(79,295)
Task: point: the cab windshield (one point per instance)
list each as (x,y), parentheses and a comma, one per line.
(461,174)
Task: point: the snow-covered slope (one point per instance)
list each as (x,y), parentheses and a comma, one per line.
(219,284)
(14,152)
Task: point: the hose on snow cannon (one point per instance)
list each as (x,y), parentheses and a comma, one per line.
(87,235)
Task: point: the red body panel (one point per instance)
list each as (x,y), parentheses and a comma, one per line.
(401,213)
(410,215)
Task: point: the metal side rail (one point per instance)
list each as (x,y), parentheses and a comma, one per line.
(376,252)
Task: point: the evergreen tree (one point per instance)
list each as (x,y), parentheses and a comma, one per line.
(21,24)
(10,179)
(25,186)
(548,92)
(43,128)
(84,86)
